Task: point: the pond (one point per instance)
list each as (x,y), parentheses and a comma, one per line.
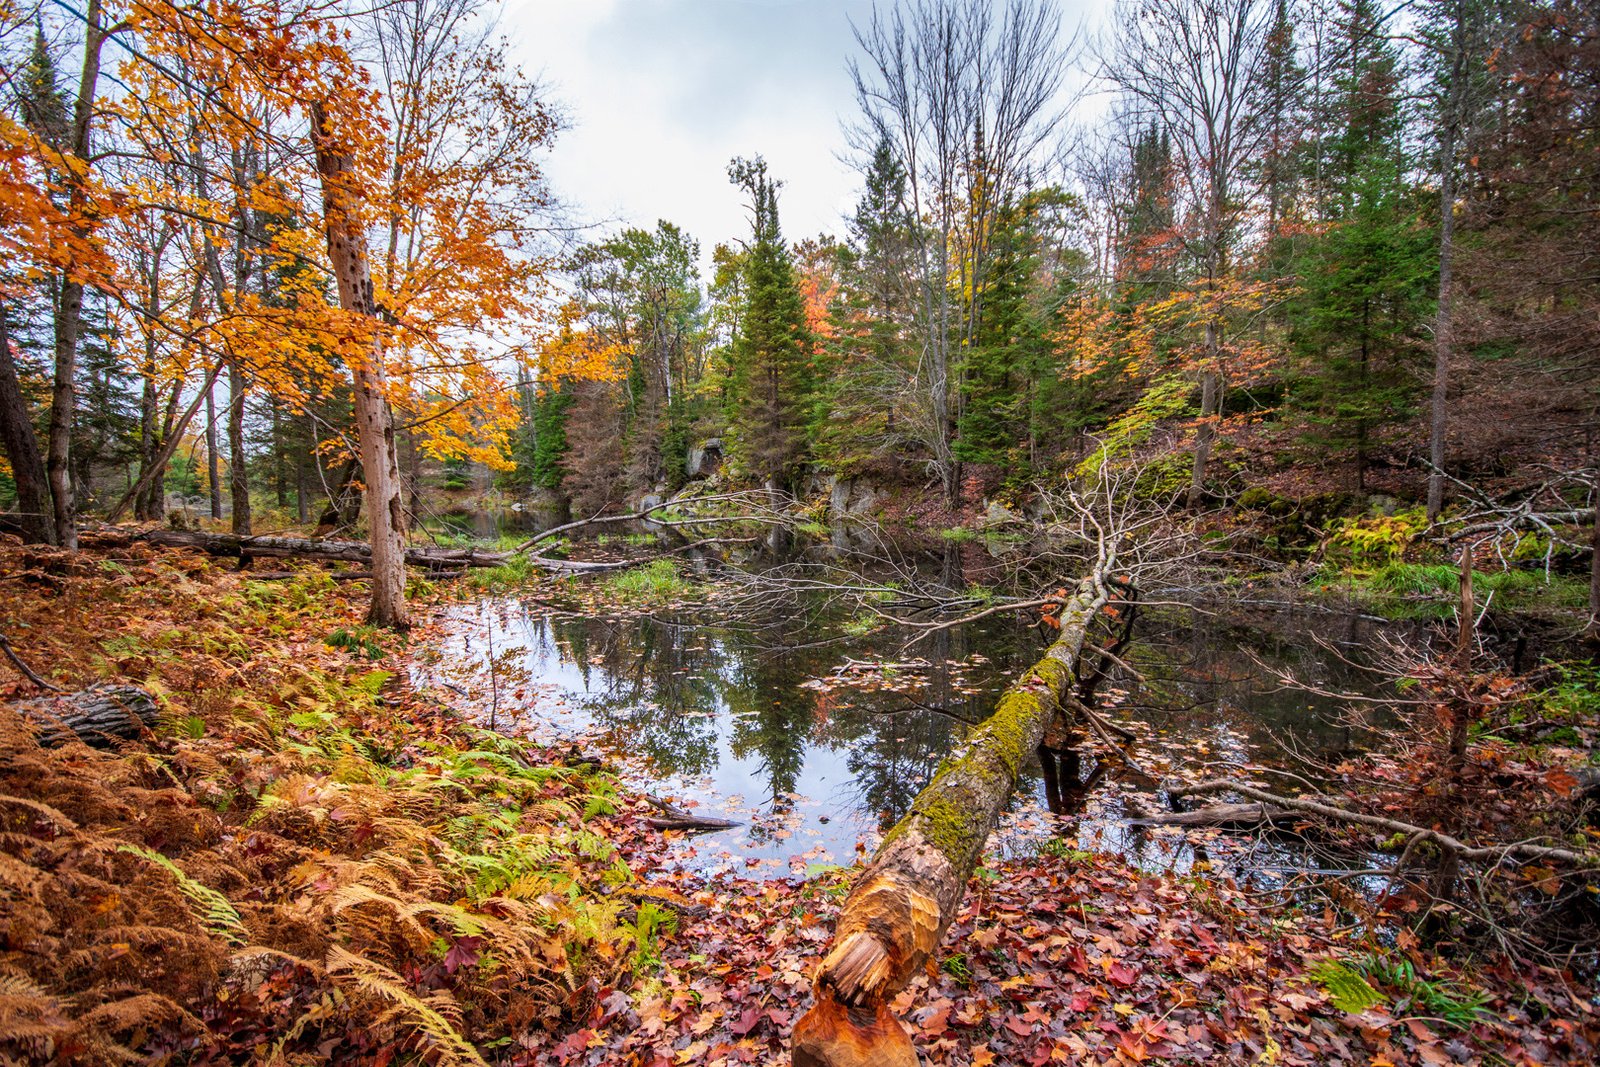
(769,714)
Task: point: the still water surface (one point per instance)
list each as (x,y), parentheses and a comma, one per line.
(765,718)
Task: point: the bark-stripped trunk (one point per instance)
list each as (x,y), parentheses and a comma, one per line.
(347,249)
(22,449)
(907,897)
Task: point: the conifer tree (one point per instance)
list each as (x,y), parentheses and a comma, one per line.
(770,379)
(873,365)
(1364,280)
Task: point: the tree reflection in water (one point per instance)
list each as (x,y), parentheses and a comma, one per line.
(714,710)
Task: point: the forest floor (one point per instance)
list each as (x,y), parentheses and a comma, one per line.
(312,861)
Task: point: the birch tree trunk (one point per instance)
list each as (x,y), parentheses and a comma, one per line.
(213,466)
(380,468)
(901,906)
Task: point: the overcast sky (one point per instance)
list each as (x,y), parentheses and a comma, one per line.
(660,94)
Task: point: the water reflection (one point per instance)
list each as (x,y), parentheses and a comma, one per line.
(761,719)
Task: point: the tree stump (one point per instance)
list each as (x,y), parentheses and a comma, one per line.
(900,907)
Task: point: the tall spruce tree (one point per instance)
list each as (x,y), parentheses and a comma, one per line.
(1365,278)
(770,373)
(873,362)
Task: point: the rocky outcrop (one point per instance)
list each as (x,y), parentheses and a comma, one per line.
(704,458)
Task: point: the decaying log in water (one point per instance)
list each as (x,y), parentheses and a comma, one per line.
(673,817)
(1318,807)
(98,715)
(907,897)
(1219,815)
(240,547)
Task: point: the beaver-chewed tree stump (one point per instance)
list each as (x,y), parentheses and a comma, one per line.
(900,907)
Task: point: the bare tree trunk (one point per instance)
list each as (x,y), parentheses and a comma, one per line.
(1443,324)
(213,461)
(69,307)
(169,445)
(1210,393)
(1594,573)
(302,506)
(238,469)
(901,905)
(22,448)
(69,311)
(149,434)
(347,249)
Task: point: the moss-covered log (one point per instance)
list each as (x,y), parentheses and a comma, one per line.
(904,901)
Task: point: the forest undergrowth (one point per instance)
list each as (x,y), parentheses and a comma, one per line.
(310,861)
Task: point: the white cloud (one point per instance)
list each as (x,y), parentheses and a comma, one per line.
(662,93)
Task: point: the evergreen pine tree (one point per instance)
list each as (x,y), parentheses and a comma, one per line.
(41,101)
(770,379)
(1365,279)
(872,365)
(1147,252)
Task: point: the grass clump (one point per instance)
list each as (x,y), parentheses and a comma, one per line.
(1428,591)
(656,581)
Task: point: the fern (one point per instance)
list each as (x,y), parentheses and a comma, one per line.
(376,980)
(217,914)
(1345,986)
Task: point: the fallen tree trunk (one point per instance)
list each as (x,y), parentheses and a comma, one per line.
(673,817)
(1308,806)
(907,897)
(238,546)
(1228,816)
(100,715)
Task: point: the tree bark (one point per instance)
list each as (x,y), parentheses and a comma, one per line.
(907,897)
(69,306)
(22,449)
(1443,324)
(149,409)
(238,469)
(1210,391)
(347,249)
(213,464)
(1594,576)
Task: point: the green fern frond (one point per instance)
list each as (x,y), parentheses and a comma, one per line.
(217,914)
(1345,986)
(376,980)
